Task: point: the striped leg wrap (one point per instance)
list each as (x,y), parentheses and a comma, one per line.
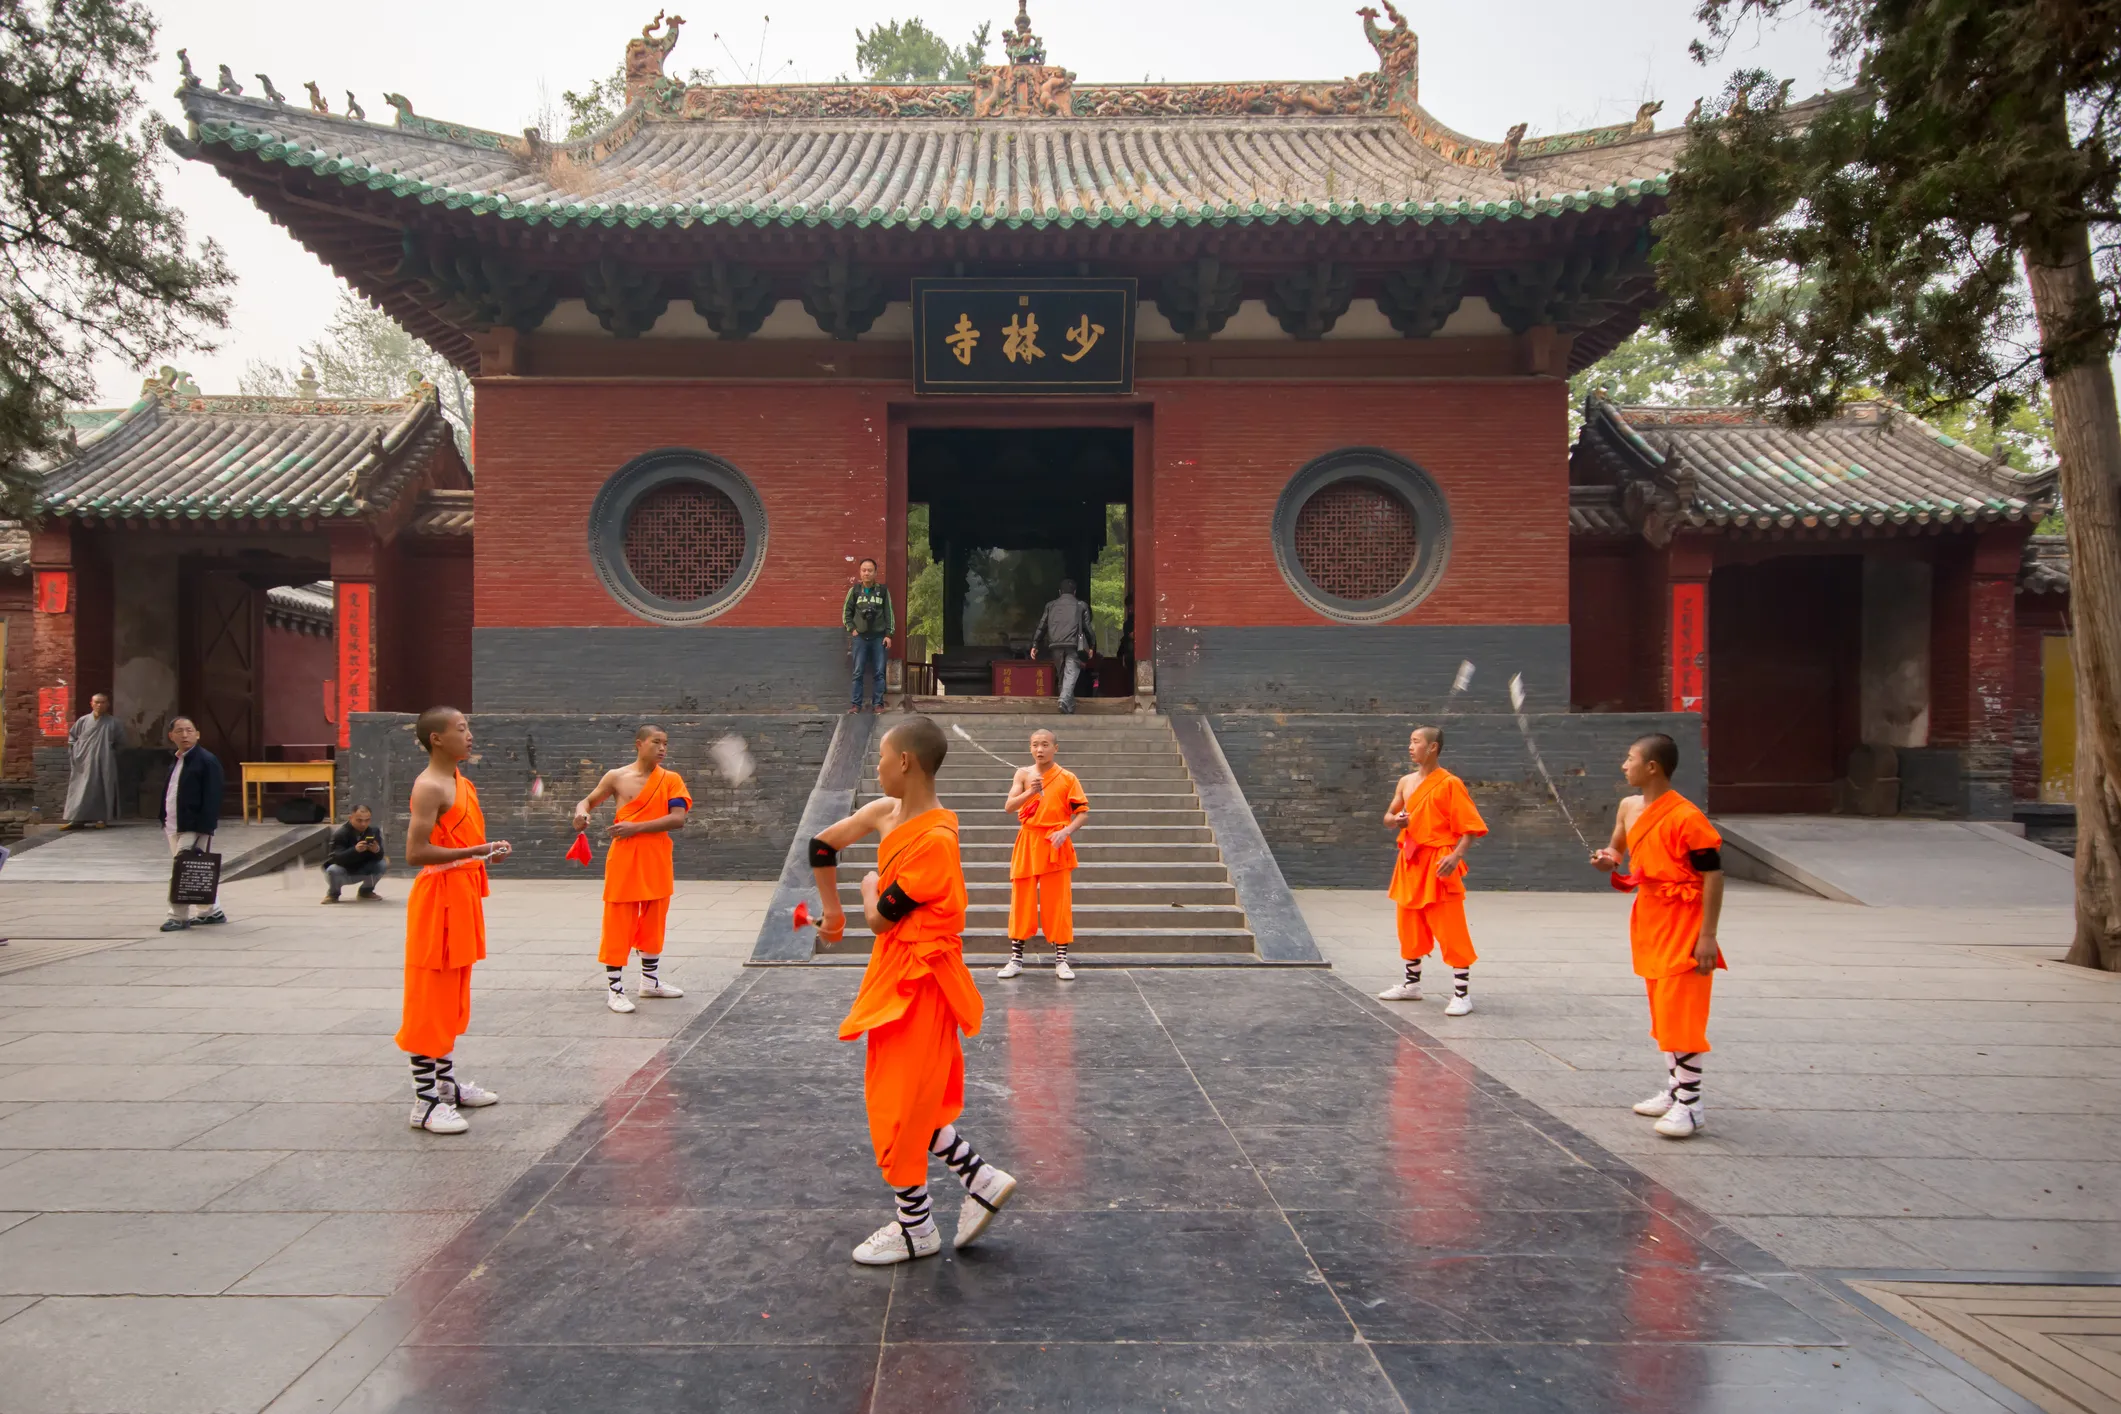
(1413,972)
(1016,949)
(913,1210)
(957,1154)
(649,964)
(428,1075)
(1060,952)
(1686,1077)
(1461,981)
(615,978)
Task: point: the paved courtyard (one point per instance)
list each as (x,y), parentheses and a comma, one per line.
(1241,1190)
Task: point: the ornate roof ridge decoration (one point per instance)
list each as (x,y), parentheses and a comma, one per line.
(1872,467)
(302,608)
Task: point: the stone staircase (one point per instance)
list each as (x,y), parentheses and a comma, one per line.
(1151,882)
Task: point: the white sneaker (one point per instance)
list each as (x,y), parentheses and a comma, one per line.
(1014,967)
(1459,1006)
(439,1118)
(891,1244)
(617,1001)
(1656,1105)
(1062,971)
(661,989)
(989,1191)
(470,1095)
(1404,992)
(1681,1122)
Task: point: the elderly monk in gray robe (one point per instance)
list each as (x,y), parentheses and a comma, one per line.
(92,786)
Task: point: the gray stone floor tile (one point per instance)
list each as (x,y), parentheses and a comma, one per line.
(165,1354)
(2009,1245)
(353,1254)
(431,1182)
(14,1305)
(113,1124)
(1846,1188)
(2021,1188)
(145,1081)
(349,1128)
(339,1084)
(8,1220)
(124,1180)
(140,1254)
(99,1047)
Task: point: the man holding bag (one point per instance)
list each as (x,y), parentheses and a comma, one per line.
(191,812)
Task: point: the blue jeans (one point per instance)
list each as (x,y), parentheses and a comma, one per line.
(868,657)
(367,874)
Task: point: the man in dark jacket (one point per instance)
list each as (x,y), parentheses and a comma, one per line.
(191,811)
(356,856)
(869,623)
(1065,629)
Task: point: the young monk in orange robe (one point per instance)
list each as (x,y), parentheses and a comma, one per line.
(639,877)
(1437,821)
(1675,862)
(445,922)
(916,995)
(1050,804)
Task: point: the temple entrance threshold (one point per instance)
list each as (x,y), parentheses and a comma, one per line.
(997,518)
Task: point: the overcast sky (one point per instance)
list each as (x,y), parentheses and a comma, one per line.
(1555,64)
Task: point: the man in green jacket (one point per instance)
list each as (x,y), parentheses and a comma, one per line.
(867,618)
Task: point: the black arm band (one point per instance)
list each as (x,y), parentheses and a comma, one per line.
(822,855)
(894,904)
(1705,861)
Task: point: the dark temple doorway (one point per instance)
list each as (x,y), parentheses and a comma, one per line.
(996,519)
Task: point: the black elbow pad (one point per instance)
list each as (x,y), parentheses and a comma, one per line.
(894,905)
(822,855)
(1705,861)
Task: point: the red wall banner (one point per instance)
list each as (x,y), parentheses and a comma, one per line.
(51,711)
(51,591)
(356,628)
(1690,646)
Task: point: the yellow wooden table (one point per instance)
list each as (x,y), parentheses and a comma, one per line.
(264,773)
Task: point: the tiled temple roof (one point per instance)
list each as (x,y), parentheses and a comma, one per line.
(443,512)
(14,548)
(1596,511)
(306,608)
(177,456)
(2046,569)
(1871,467)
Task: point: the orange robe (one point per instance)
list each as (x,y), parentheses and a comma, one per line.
(638,876)
(916,996)
(1432,911)
(445,933)
(1041,876)
(1665,922)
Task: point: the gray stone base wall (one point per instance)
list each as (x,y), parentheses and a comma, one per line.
(1361,668)
(656,669)
(1319,784)
(50,766)
(735,832)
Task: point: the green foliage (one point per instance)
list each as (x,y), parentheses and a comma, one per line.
(1647,369)
(91,259)
(924,583)
(907,51)
(1877,238)
(1108,578)
(363,353)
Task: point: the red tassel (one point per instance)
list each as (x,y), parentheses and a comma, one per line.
(578,852)
(802,917)
(1625,883)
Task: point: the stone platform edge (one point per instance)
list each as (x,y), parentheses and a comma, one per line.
(1278,928)
(832,798)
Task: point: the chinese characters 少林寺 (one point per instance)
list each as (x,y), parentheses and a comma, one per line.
(1086,334)
(1021,342)
(963,339)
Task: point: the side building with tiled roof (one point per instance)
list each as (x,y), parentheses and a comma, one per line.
(1846,604)
(255,563)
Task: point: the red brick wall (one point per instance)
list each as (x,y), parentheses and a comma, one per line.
(1224,451)
(425,634)
(295,666)
(1604,625)
(2038,616)
(816,453)
(1222,454)
(20,703)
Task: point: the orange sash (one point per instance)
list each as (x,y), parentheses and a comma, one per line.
(639,868)
(445,918)
(1439,811)
(1060,796)
(921,858)
(1665,922)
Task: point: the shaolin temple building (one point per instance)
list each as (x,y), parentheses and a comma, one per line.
(1279,368)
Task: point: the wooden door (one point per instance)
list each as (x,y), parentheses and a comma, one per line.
(219,674)
(1784,636)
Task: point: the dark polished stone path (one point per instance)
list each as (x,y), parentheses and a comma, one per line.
(1240,1190)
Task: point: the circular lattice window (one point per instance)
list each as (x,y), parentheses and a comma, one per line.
(677,536)
(1362,535)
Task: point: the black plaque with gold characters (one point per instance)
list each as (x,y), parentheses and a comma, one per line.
(1023,336)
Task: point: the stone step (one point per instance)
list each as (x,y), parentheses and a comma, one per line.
(1092,774)
(1106,834)
(970,803)
(1092,852)
(1100,818)
(1179,872)
(994,942)
(1100,894)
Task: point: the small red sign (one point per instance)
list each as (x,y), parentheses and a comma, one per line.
(1022,678)
(1690,646)
(356,629)
(52,710)
(52,586)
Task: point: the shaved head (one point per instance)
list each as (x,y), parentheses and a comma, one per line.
(1043,732)
(923,739)
(1662,750)
(1432,735)
(434,719)
(642,733)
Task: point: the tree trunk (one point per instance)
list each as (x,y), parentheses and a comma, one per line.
(2088,438)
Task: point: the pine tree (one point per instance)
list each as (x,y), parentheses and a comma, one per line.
(1931,231)
(907,51)
(91,259)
